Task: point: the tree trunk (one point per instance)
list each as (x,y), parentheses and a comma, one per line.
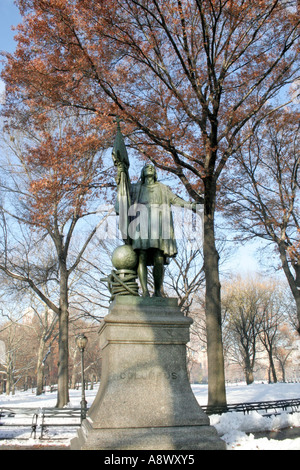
(294,282)
(282,366)
(63,343)
(10,386)
(40,367)
(215,358)
(272,367)
(248,364)
(249,376)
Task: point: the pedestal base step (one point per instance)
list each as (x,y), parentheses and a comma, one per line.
(163,438)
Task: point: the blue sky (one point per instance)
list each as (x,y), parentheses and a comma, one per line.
(9,15)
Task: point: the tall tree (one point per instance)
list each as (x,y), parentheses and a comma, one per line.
(43,325)
(273,316)
(185,76)
(243,309)
(284,348)
(48,192)
(264,200)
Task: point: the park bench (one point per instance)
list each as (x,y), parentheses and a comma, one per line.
(269,408)
(58,417)
(38,419)
(19,417)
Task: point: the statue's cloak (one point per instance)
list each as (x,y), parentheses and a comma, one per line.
(151,223)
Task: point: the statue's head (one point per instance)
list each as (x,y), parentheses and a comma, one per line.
(147,171)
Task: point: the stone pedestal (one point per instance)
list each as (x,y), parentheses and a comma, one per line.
(145,401)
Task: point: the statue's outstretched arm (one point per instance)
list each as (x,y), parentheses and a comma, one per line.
(178,201)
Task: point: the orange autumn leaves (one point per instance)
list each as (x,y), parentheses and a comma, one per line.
(62,169)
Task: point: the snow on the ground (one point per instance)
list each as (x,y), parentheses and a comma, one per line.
(233,427)
(236,429)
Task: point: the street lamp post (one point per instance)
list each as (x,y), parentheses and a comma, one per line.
(81,341)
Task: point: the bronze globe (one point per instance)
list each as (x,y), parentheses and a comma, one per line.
(124,257)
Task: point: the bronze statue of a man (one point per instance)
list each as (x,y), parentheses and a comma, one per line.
(148,223)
